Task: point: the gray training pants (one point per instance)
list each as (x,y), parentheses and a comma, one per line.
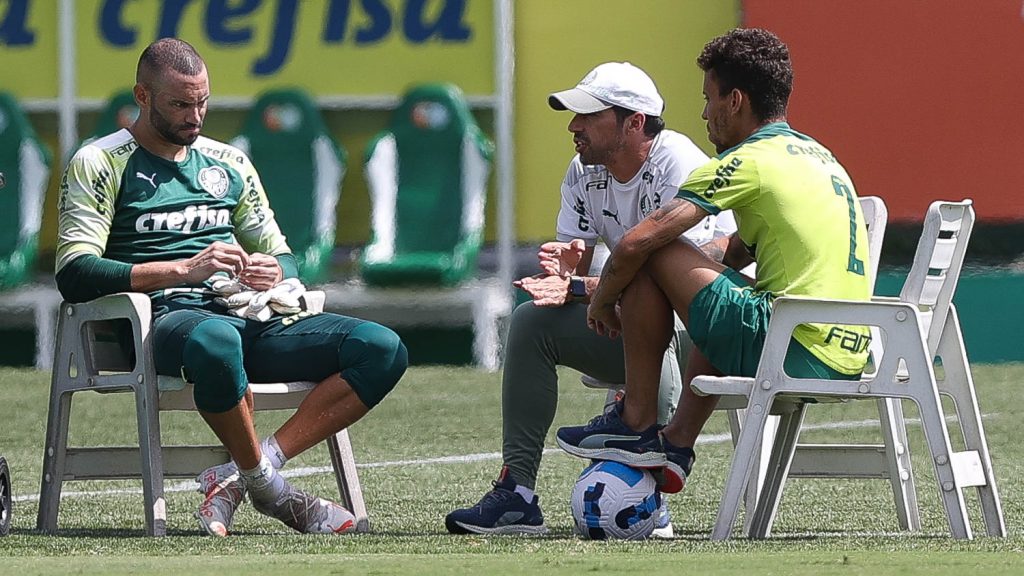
(539,339)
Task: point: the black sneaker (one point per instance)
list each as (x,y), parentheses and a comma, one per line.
(500,511)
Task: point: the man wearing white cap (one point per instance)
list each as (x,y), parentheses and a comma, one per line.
(626,165)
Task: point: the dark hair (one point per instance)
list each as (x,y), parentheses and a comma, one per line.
(753,61)
(652,124)
(168,54)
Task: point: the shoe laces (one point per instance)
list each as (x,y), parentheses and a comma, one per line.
(498,495)
(610,414)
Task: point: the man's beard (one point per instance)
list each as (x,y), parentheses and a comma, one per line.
(164,128)
(592,157)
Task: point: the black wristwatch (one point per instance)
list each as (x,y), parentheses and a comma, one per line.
(577,287)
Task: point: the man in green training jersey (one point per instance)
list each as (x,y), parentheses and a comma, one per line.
(158,208)
(798,217)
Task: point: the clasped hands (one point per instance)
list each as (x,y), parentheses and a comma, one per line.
(248,285)
(558,261)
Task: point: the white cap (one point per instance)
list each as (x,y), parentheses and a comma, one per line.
(611,84)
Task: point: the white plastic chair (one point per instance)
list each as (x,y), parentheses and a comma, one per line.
(890,460)
(89,357)
(916,327)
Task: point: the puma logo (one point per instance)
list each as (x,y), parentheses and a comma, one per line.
(612,215)
(150,179)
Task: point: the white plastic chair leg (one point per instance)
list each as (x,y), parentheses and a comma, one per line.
(343,460)
(780,457)
(742,467)
(148,418)
(959,386)
(897,455)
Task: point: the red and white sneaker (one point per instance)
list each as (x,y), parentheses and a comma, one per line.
(224,492)
(306,513)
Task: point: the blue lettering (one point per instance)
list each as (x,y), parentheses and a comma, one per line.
(170,18)
(228,22)
(280,44)
(13,29)
(380,22)
(218,21)
(337,21)
(448,26)
(113,30)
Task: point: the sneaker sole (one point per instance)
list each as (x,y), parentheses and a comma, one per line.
(673,478)
(509,530)
(664,532)
(213,528)
(636,460)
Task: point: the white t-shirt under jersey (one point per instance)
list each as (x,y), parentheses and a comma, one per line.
(595,205)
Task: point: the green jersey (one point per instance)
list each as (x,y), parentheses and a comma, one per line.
(797,213)
(120,202)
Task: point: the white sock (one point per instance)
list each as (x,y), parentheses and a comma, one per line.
(263,481)
(525,493)
(272,450)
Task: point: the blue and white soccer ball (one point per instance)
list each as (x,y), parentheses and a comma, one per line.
(615,501)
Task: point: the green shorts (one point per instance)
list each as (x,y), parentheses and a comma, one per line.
(280,350)
(729,322)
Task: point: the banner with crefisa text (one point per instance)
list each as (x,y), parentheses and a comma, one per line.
(328,47)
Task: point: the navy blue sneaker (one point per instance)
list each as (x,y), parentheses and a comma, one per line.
(678,464)
(500,511)
(606,437)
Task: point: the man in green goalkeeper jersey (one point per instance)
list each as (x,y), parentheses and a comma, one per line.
(158,208)
(798,218)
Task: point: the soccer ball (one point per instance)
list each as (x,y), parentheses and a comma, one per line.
(615,501)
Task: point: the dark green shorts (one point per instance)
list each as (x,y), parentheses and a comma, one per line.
(729,322)
(300,347)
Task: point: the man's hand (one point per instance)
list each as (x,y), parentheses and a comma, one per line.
(546,290)
(262,272)
(561,258)
(217,257)
(604,319)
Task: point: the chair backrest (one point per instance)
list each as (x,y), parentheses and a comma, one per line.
(876,217)
(935,272)
(301,166)
(25,163)
(428,172)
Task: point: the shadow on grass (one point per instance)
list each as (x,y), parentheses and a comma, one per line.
(80,533)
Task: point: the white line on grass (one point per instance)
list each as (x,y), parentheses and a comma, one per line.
(191,485)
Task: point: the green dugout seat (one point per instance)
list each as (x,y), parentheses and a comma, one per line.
(301,167)
(427,174)
(25,165)
(121,112)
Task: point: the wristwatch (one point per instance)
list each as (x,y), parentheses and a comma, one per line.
(577,287)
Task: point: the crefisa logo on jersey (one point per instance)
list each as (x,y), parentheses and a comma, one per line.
(214,180)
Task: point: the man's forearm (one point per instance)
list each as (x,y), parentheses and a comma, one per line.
(663,226)
(150,276)
(88,277)
(716,249)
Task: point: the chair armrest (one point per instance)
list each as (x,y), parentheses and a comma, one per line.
(313,301)
(789,311)
(83,323)
(899,321)
(885,299)
(722,385)
(129,305)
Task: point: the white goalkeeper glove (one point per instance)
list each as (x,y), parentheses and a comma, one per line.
(284,298)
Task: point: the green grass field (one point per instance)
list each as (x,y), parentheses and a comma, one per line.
(433,445)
